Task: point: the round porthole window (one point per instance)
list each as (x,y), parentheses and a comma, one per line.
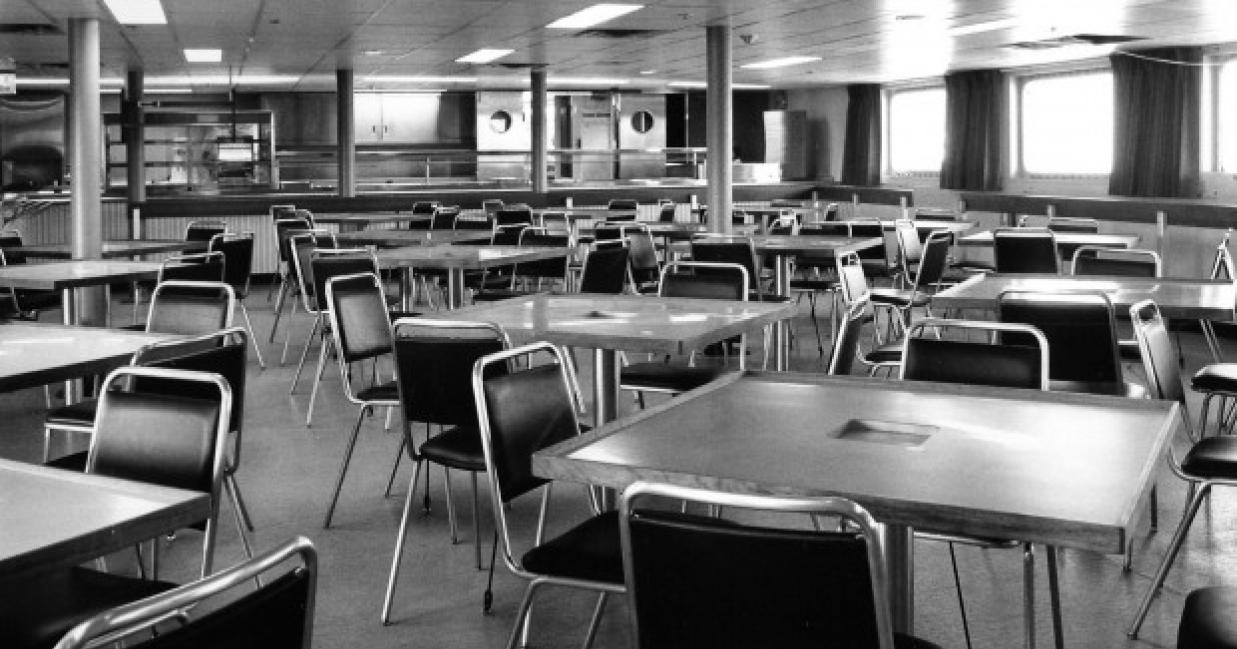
(642,121)
(500,121)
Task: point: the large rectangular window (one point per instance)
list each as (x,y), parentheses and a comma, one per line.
(917,130)
(1067,123)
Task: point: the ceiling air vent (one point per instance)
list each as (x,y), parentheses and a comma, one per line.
(1073,40)
(617,33)
(29,29)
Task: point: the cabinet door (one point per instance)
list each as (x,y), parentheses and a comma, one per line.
(367,117)
(410,118)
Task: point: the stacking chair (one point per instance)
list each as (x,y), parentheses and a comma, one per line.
(463,222)
(936,214)
(1098,260)
(281,211)
(434,362)
(520,413)
(555,223)
(237,251)
(284,231)
(1025,250)
(534,274)
(820,277)
(996,361)
(278,615)
(845,349)
(605,269)
(204,231)
(361,331)
(642,256)
(510,216)
(491,205)
(925,277)
(732,249)
(301,247)
(444,218)
(1069,224)
(698,582)
(666,212)
(681,279)
(197,267)
(175,437)
(423,208)
(857,295)
(24,304)
(628,206)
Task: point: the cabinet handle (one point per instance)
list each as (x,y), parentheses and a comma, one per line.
(373,129)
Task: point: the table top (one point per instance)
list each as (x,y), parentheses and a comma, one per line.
(1177,297)
(112,248)
(368,218)
(1063,469)
(396,238)
(53,518)
(627,322)
(37,353)
(465,256)
(59,275)
(920,224)
(1064,239)
(813,245)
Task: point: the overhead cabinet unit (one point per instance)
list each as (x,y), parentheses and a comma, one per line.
(406,118)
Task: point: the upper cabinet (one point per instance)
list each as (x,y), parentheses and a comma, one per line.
(407,118)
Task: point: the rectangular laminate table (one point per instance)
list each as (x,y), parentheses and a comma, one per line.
(455,260)
(112,248)
(1061,469)
(348,222)
(398,238)
(65,276)
(1177,297)
(53,518)
(612,323)
(36,353)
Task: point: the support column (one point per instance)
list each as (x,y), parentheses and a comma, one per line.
(540,174)
(347,135)
(134,132)
(86,160)
(719,125)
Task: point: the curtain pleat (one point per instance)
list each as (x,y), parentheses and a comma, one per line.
(1156,122)
(861,157)
(975,131)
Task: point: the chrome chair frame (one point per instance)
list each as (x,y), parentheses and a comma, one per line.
(205,224)
(1024,233)
(1152,256)
(243,293)
(162,287)
(192,258)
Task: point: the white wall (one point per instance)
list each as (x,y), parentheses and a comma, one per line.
(826,124)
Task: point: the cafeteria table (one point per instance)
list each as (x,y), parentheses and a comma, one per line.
(112,248)
(350,222)
(455,260)
(1067,242)
(632,323)
(1065,470)
(924,226)
(53,518)
(65,276)
(397,238)
(38,353)
(1184,298)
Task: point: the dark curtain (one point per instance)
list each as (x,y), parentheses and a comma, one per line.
(861,158)
(975,128)
(1156,122)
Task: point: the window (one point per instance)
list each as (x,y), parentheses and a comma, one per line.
(1067,124)
(917,130)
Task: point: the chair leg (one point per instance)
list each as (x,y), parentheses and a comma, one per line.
(476,519)
(253,340)
(1054,598)
(399,455)
(595,620)
(283,356)
(343,467)
(1028,594)
(451,524)
(1174,546)
(236,516)
(399,544)
(239,500)
(279,304)
(324,350)
(519,634)
(318,325)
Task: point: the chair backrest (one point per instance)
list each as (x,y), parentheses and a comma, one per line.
(223,352)
(1159,358)
(359,321)
(910,246)
(727,249)
(281,211)
(1025,250)
(301,249)
(237,250)
(197,267)
(934,260)
(623,204)
(784,225)
(1097,260)
(186,307)
(433,366)
(485,222)
(845,347)
(166,439)
(553,268)
(425,207)
(667,212)
(491,205)
(697,582)
(605,270)
(444,218)
(204,230)
(719,281)
(12,239)
(284,231)
(1081,333)
(328,263)
(513,216)
(520,413)
(1069,224)
(555,222)
(508,235)
(642,257)
(997,361)
(607,231)
(278,615)
(851,279)
(306,215)
(936,214)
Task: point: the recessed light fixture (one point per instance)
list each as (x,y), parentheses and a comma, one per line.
(648,72)
(594,15)
(483,55)
(199,55)
(987,26)
(780,62)
(137,12)
(905,17)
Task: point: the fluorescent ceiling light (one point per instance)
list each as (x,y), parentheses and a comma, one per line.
(399,78)
(169,91)
(648,72)
(733,86)
(987,26)
(587,81)
(780,63)
(137,12)
(484,55)
(594,15)
(203,55)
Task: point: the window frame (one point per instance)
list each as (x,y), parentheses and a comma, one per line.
(887,128)
(1017,149)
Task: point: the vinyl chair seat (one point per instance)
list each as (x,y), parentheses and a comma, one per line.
(887,353)
(1207,622)
(396,315)
(899,297)
(674,377)
(70,462)
(876,268)
(38,611)
(1128,350)
(494,295)
(381,392)
(589,551)
(1218,377)
(813,284)
(1212,458)
(457,447)
(81,413)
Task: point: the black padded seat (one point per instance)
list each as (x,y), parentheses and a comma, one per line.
(654,375)
(1213,457)
(494,295)
(1218,377)
(458,447)
(899,297)
(40,609)
(813,284)
(396,315)
(70,462)
(1207,622)
(81,413)
(887,353)
(589,551)
(1129,352)
(383,392)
